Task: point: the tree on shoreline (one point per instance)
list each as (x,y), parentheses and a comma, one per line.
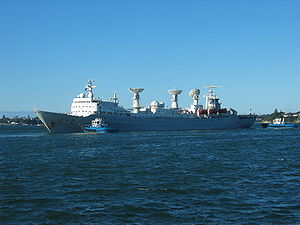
(289,117)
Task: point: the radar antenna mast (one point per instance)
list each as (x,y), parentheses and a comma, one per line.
(174,92)
(115,99)
(136,99)
(89,88)
(211,87)
(210,96)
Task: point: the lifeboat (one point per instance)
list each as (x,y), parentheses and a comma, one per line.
(202,111)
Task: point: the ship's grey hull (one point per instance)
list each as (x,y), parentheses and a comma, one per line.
(64,123)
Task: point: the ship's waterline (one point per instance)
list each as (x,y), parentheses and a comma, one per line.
(155,117)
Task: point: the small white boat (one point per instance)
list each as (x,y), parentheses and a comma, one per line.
(280,123)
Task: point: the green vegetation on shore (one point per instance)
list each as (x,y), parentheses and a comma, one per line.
(289,117)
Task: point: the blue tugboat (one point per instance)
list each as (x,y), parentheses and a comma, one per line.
(98,126)
(279,123)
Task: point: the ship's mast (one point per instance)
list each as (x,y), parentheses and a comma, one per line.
(114,98)
(210,96)
(89,88)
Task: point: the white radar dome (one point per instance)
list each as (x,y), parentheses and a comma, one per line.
(81,95)
(154,103)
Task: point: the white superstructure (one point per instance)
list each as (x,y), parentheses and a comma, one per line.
(85,107)
(85,104)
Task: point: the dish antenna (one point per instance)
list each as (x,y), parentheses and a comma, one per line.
(194,93)
(136,97)
(174,92)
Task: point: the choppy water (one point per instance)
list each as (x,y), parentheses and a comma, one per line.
(213,177)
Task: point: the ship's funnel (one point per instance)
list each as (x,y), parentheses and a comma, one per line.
(136,97)
(194,93)
(174,99)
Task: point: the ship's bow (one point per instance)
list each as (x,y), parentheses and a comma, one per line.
(59,122)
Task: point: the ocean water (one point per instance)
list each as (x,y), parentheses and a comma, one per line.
(249,176)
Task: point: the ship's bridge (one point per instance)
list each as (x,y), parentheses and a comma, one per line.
(82,106)
(86,104)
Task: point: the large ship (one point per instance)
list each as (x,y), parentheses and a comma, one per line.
(155,117)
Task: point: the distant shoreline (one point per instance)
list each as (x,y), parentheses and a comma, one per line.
(6,121)
(13,114)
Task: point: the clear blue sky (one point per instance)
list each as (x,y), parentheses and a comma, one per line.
(49,49)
